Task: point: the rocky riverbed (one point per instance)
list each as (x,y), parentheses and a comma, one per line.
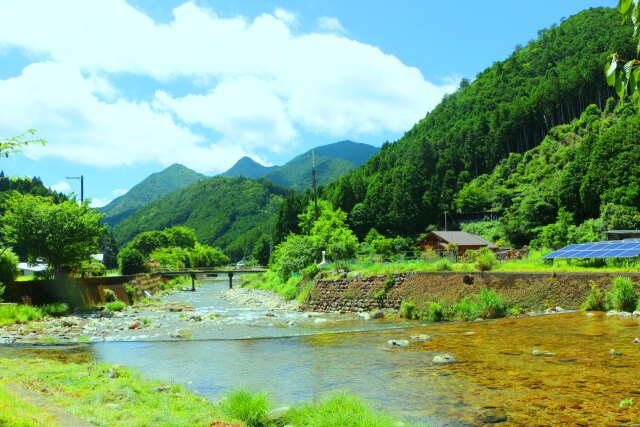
(155,320)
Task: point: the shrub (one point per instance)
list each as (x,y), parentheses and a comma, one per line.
(250,408)
(8,267)
(19,314)
(435,312)
(622,295)
(408,310)
(55,310)
(109,295)
(490,304)
(596,299)
(132,261)
(115,306)
(131,292)
(428,255)
(443,264)
(310,271)
(465,309)
(485,259)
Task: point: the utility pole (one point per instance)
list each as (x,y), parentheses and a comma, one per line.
(313,183)
(270,228)
(81,178)
(445,220)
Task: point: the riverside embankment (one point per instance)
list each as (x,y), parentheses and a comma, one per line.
(534,291)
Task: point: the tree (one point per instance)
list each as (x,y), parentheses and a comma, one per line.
(149,241)
(62,235)
(293,254)
(623,74)
(8,267)
(207,256)
(181,237)
(132,261)
(13,145)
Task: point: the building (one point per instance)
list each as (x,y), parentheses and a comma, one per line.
(440,240)
(622,234)
(26,269)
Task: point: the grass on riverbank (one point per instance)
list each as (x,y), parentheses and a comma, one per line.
(115,396)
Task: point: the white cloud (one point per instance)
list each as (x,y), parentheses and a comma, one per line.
(97,202)
(287,17)
(330,24)
(117,192)
(61,187)
(259,86)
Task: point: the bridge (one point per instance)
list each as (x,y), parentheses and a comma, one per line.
(208,271)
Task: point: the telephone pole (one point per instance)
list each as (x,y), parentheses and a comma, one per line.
(81,178)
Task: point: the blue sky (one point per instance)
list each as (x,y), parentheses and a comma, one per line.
(124,89)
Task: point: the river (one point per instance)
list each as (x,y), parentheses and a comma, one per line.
(496,376)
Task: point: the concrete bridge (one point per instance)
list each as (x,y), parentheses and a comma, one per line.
(208,272)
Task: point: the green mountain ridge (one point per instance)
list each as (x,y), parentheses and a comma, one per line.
(228,212)
(509,107)
(332,161)
(151,188)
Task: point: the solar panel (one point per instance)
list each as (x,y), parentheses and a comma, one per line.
(609,249)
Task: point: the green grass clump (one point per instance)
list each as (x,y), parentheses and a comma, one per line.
(339,410)
(116,306)
(10,314)
(271,281)
(622,295)
(434,312)
(408,310)
(443,264)
(55,310)
(596,299)
(250,408)
(464,310)
(490,304)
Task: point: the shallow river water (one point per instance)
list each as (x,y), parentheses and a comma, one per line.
(496,377)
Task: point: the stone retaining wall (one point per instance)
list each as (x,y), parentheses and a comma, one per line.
(529,290)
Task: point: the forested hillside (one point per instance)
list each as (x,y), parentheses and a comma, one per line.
(583,177)
(508,108)
(231,213)
(248,168)
(151,188)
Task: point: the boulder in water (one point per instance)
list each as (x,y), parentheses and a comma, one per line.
(444,359)
(398,343)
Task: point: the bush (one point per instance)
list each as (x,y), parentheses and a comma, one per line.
(485,259)
(8,267)
(443,264)
(293,255)
(596,300)
(490,304)
(310,272)
(465,310)
(55,310)
(116,306)
(428,255)
(250,408)
(131,292)
(408,309)
(19,314)
(622,295)
(132,261)
(435,312)
(109,295)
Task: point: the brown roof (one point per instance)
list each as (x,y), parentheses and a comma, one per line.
(462,238)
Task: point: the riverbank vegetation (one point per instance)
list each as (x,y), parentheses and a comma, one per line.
(622,296)
(117,396)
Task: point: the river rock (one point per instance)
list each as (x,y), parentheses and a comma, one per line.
(614,352)
(613,313)
(7,340)
(537,352)
(319,320)
(398,343)
(270,314)
(636,313)
(279,414)
(421,337)
(182,333)
(377,314)
(196,318)
(492,416)
(636,340)
(590,314)
(624,314)
(444,359)
(135,325)
(67,323)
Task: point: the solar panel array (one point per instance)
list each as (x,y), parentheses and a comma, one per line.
(612,249)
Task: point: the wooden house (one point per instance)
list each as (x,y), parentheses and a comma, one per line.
(440,240)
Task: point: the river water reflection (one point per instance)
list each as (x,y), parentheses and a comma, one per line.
(496,375)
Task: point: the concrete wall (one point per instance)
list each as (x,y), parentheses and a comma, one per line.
(528,290)
(78,291)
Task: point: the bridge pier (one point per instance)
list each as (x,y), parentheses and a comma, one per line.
(230,280)
(193,282)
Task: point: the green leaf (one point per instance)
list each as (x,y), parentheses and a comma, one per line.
(611,71)
(624,6)
(619,85)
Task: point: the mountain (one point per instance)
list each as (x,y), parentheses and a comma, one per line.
(248,168)
(228,212)
(151,188)
(332,161)
(508,108)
